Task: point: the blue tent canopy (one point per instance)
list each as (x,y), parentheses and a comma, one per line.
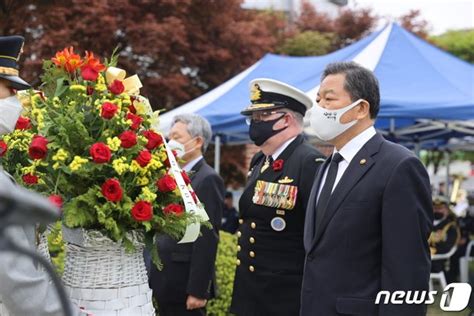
(418,81)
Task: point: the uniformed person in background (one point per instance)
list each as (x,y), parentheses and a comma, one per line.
(445,233)
(270,255)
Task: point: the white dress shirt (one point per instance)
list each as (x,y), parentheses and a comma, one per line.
(187,167)
(348,151)
(282,148)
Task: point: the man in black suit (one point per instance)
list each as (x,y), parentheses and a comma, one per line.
(272,207)
(369,214)
(187,280)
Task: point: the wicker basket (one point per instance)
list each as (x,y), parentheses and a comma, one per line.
(102,277)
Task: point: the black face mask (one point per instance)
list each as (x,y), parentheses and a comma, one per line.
(438,215)
(259,132)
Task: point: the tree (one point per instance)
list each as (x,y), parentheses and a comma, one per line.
(308,43)
(413,22)
(459,43)
(315,33)
(178,48)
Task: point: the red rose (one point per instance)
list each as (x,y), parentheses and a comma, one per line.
(3,148)
(57,200)
(112,190)
(90,90)
(136,120)
(100,153)
(128,139)
(89,73)
(30,179)
(277,165)
(173,208)
(108,110)
(23,123)
(142,211)
(185,177)
(116,87)
(38,147)
(154,139)
(166,184)
(144,158)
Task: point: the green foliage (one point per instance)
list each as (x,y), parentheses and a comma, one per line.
(309,43)
(459,43)
(225,267)
(56,247)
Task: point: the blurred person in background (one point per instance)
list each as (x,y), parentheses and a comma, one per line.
(187,280)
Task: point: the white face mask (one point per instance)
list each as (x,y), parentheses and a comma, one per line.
(10,110)
(326,124)
(178,147)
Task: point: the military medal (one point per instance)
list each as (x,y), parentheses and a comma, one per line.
(266,164)
(278,224)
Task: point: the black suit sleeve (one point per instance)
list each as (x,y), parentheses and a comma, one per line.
(211,194)
(406,220)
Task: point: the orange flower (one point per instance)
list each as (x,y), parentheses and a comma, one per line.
(92,62)
(67,59)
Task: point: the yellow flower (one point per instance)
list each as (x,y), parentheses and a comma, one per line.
(77,88)
(77,163)
(61,155)
(147,194)
(113,143)
(38,114)
(155,163)
(56,102)
(100,84)
(143,181)
(120,166)
(35,100)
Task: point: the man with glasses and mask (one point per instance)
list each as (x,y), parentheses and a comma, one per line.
(369,214)
(187,280)
(270,255)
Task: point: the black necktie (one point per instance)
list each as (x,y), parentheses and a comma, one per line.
(327,189)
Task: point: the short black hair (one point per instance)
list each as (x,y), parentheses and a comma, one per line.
(360,83)
(229,195)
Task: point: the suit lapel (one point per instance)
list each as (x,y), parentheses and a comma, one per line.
(310,211)
(195,169)
(354,172)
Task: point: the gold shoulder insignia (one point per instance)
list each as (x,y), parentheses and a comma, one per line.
(285,180)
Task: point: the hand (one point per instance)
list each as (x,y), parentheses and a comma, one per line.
(193,302)
(5,90)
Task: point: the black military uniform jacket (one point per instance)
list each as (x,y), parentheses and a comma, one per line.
(271,255)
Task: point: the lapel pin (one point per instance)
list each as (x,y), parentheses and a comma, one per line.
(362,162)
(320,160)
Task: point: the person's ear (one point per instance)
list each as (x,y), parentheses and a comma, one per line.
(200,142)
(362,110)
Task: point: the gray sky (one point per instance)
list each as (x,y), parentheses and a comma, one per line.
(442,15)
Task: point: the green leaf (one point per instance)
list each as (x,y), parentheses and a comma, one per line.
(60,87)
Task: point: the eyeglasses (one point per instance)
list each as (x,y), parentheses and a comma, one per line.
(258,117)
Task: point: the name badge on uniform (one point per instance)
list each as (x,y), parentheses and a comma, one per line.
(276,195)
